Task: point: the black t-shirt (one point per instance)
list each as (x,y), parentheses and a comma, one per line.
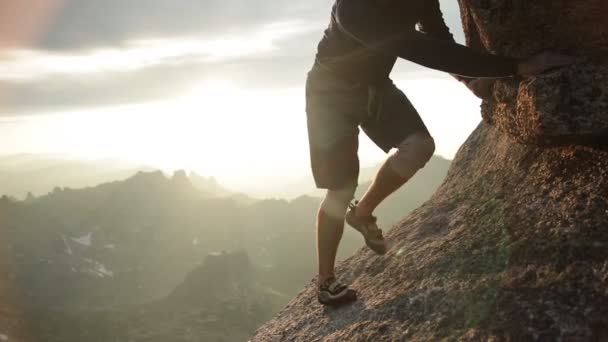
(365,38)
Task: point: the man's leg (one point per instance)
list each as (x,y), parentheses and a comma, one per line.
(334,108)
(411,155)
(330,227)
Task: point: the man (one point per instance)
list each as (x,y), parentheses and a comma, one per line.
(349,87)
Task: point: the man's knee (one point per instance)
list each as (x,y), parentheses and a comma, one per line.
(336,202)
(412,154)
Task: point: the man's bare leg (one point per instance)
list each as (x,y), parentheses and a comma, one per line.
(386,182)
(329,234)
(412,154)
(330,227)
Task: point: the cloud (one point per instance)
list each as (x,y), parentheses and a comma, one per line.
(103,53)
(272,57)
(21,64)
(161,82)
(93,23)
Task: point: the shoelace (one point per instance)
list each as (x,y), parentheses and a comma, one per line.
(332,285)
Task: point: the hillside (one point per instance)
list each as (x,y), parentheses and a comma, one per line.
(115,259)
(512,246)
(110,260)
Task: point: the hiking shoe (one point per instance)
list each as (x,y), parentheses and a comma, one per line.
(368,228)
(333,293)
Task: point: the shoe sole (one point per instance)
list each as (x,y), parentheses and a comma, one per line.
(349,297)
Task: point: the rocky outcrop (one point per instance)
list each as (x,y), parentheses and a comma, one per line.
(563,107)
(512,247)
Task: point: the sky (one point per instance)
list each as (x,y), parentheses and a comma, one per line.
(214,86)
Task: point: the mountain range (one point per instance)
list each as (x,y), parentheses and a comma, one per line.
(113,261)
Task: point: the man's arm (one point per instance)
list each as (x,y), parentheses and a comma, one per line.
(454,58)
(432,23)
(378,30)
(367,23)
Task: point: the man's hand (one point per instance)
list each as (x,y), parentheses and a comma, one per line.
(543,62)
(481,87)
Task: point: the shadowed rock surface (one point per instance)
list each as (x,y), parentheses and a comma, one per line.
(512,247)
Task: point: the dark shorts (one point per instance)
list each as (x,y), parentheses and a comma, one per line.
(335,110)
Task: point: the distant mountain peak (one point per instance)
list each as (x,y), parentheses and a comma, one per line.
(148,176)
(208,185)
(180,175)
(181,179)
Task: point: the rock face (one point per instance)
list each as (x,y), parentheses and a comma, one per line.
(512,247)
(563,107)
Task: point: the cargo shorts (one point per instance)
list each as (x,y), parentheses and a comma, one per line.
(336,108)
